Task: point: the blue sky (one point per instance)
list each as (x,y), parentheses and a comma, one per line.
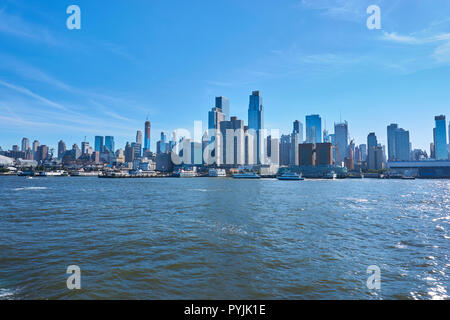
(169,59)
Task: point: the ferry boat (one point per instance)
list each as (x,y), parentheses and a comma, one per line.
(331,175)
(217,173)
(291,176)
(185,173)
(57,173)
(85,174)
(246,175)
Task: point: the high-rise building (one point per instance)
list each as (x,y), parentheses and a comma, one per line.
(84,148)
(139,137)
(372,141)
(233,146)
(440,138)
(285,150)
(137,150)
(296,138)
(109,144)
(223,104)
(215,117)
(129,153)
(376,154)
(391,130)
(306,154)
(341,140)
(162,146)
(313,129)
(25,144)
(363,152)
(98,146)
(324,155)
(399,146)
(61,149)
(402,145)
(147,136)
(256,121)
(42,153)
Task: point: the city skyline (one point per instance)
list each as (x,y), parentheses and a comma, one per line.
(319,58)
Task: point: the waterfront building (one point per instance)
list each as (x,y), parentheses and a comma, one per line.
(313,129)
(402,145)
(440,138)
(25,144)
(341,141)
(324,155)
(391,130)
(306,154)
(374,153)
(256,121)
(98,146)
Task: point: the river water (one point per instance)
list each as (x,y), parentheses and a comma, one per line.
(219,238)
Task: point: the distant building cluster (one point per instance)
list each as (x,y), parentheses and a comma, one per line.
(229,143)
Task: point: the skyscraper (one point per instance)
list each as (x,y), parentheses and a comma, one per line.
(109,144)
(215,116)
(25,144)
(341,140)
(372,151)
(391,129)
(402,145)
(399,147)
(224,104)
(440,136)
(61,149)
(139,137)
(313,129)
(296,138)
(98,143)
(363,152)
(256,120)
(147,136)
(233,146)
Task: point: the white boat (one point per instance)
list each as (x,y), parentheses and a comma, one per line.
(57,173)
(185,173)
(246,175)
(85,174)
(291,176)
(217,173)
(331,175)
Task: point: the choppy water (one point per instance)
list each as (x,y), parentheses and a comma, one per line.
(213,238)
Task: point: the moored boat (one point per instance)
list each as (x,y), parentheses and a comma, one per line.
(292,176)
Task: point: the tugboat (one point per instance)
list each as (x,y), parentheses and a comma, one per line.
(292,176)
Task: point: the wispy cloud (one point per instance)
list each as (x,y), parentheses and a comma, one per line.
(347,10)
(412,39)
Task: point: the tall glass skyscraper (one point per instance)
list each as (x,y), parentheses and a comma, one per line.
(98,143)
(147,136)
(402,145)
(256,120)
(440,138)
(109,143)
(224,104)
(391,129)
(313,129)
(341,140)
